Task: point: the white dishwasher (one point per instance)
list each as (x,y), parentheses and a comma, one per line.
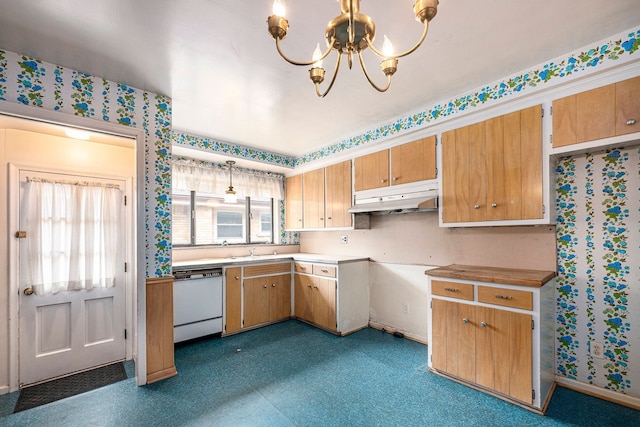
(197,302)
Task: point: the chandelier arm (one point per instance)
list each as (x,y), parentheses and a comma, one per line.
(291,61)
(399,55)
(366,74)
(333,79)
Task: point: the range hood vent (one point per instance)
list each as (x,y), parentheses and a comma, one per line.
(419,201)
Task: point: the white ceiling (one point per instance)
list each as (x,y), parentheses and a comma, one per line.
(217,62)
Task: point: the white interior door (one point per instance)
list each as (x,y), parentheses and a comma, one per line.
(70,331)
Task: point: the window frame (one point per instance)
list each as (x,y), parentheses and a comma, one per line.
(246,224)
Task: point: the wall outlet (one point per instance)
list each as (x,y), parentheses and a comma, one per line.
(597,350)
(344,239)
(405,308)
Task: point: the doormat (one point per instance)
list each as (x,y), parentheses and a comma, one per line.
(61,388)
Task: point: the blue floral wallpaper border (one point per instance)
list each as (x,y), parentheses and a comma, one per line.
(31,82)
(623,45)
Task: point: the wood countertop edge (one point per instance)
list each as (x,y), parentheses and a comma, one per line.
(510,276)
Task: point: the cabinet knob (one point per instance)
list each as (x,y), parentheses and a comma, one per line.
(395,178)
(321,219)
(483,324)
(300,220)
(273,285)
(315,286)
(237,278)
(383,181)
(308,285)
(631,122)
(328,217)
(494,205)
(264,286)
(476,206)
(465,320)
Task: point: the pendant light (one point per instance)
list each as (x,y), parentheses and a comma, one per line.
(230,195)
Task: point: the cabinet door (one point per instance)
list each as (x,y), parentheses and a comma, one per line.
(338,194)
(233,299)
(462,178)
(595,114)
(503,158)
(414,161)
(256,301)
(372,171)
(313,197)
(504,352)
(449,172)
(303,297)
(453,338)
(439,335)
(531,164)
(628,106)
(280,297)
(293,202)
(324,302)
(477,172)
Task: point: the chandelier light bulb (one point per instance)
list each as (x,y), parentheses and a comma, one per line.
(279,8)
(387,47)
(317,54)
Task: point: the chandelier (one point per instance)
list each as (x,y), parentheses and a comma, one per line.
(350,33)
(230,195)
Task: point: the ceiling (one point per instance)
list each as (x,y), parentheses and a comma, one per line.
(218,63)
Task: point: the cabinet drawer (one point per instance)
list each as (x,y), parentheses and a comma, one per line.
(324,270)
(262,270)
(303,267)
(505,297)
(452,289)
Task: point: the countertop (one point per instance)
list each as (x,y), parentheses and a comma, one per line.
(258,259)
(510,276)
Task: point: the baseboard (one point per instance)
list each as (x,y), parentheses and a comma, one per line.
(4,389)
(391,330)
(599,392)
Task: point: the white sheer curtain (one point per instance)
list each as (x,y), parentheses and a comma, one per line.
(204,177)
(72,235)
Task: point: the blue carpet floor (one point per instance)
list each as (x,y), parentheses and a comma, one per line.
(292,374)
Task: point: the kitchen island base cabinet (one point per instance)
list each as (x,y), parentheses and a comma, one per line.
(492,329)
(332,297)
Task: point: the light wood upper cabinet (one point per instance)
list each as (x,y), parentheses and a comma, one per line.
(492,170)
(293,202)
(338,195)
(313,198)
(599,113)
(415,161)
(410,162)
(372,171)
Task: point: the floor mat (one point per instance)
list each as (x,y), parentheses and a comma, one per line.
(51,391)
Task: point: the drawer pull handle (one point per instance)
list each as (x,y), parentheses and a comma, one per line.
(483,324)
(302,268)
(451,289)
(507,297)
(631,122)
(465,320)
(324,270)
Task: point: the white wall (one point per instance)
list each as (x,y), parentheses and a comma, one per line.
(402,247)
(50,152)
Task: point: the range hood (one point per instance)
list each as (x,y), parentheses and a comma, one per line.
(401,202)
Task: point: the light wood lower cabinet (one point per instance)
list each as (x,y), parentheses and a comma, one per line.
(497,337)
(315,300)
(159,315)
(332,296)
(257,294)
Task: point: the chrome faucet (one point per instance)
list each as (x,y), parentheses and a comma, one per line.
(251,251)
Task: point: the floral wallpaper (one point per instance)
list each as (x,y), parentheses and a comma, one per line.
(598,294)
(38,84)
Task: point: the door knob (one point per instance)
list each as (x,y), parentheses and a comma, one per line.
(28,291)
